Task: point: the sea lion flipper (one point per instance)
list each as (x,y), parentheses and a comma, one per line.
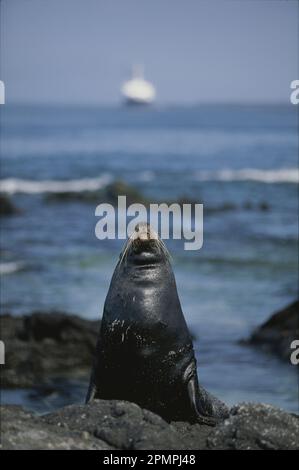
(195,403)
(92,390)
(215,407)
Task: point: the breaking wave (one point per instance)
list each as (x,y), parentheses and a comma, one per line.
(282,175)
(11,267)
(16,185)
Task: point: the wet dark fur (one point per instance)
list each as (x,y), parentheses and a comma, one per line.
(144,352)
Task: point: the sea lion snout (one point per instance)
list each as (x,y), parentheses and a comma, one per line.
(145,243)
(143,247)
(144,232)
(147,248)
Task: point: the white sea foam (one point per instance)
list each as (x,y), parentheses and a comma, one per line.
(282,175)
(16,185)
(11,267)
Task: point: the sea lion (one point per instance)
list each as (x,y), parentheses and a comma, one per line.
(144,352)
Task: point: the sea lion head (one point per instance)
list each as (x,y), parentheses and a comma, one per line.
(144,247)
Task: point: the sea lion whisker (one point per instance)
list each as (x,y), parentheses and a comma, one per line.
(163,249)
(125,249)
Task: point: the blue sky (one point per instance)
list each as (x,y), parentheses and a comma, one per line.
(80,51)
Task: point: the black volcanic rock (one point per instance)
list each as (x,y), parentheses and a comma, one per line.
(22,430)
(109,194)
(111,424)
(277,333)
(256,427)
(43,346)
(6,206)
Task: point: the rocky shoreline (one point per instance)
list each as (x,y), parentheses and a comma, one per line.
(43,347)
(119,425)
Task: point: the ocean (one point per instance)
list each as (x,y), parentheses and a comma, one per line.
(241,162)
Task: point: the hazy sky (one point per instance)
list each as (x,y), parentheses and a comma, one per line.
(80,51)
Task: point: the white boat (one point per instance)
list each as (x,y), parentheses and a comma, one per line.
(137,90)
